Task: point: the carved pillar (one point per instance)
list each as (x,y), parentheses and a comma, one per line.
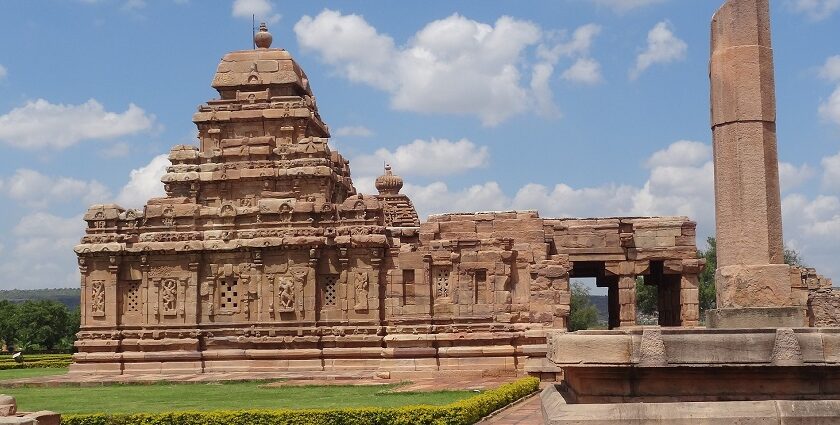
(144,288)
(83,275)
(191,303)
(427,280)
(374,291)
(111,292)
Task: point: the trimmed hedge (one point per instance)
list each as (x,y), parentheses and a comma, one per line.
(39,361)
(43,364)
(464,412)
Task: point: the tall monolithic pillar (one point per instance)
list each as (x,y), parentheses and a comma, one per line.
(751,272)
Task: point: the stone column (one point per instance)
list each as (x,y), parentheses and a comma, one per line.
(627,300)
(191,302)
(690,292)
(751,271)
(112,291)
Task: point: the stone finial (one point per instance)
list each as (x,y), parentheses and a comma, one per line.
(388,183)
(263,38)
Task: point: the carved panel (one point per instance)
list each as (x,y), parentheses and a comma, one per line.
(361,283)
(97,298)
(169,296)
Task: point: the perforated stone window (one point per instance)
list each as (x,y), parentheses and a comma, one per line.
(229,294)
(328,286)
(441,277)
(132,297)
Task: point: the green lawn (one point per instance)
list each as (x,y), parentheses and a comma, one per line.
(134,398)
(29,373)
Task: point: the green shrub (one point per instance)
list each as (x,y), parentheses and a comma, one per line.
(462,412)
(28,364)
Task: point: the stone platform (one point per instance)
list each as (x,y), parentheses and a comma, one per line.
(557,410)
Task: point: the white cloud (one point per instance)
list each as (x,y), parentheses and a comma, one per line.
(41,255)
(831,172)
(831,69)
(453,65)
(34,189)
(579,44)
(791,176)
(262,10)
(829,109)
(40,124)
(564,201)
(626,5)
(815,9)
(436,157)
(3,72)
(681,182)
(437,198)
(354,131)
(144,183)
(541,88)
(584,70)
(682,152)
(116,150)
(662,47)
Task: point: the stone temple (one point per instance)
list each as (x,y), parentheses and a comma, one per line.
(262,256)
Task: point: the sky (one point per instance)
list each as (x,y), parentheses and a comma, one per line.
(578,108)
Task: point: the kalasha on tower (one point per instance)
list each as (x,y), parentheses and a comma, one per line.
(263,257)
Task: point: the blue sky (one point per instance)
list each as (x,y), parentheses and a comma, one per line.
(571,107)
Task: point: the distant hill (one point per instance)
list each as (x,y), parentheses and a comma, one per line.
(67,296)
(602,304)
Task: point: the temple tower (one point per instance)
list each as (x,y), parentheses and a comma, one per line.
(751,271)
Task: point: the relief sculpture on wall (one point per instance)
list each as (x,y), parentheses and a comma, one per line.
(361,283)
(97,298)
(285,294)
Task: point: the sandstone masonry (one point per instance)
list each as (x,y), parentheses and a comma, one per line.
(263,257)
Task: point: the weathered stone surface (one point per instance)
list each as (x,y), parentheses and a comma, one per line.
(10,415)
(756,317)
(747,195)
(575,348)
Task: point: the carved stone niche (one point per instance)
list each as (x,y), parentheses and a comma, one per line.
(361,285)
(171,292)
(227,290)
(287,289)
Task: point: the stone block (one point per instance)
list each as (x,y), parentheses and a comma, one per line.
(574,348)
(753,286)
(757,317)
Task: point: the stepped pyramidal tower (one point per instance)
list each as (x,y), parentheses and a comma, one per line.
(263,257)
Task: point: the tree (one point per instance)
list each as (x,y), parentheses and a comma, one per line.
(708,296)
(645,297)
(74,322)
(41,324)
(8,311)
(583,314)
